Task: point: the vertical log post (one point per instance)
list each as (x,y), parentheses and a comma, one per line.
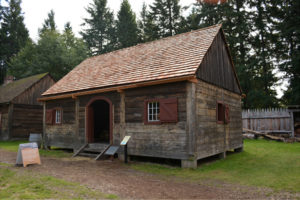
(191,127)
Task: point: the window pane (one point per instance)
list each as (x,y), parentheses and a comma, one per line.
(153,111)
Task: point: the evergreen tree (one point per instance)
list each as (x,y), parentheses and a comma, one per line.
(99,32)
(167,17)
(251,53)
(288,14)
(54,53)
(49,23)
(127,30)
(262,42)
(148,31)
(13,32)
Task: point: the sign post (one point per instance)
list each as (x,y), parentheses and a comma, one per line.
(124,143)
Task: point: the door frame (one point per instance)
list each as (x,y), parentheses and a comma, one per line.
(89,131)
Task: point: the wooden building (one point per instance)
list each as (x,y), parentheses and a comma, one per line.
(177,97)
(20,112)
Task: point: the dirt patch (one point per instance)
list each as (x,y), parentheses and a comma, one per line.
(117,178)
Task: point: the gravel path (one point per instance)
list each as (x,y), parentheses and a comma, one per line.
(117,178)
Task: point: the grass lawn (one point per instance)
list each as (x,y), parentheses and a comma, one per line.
(263,163)
(14,145)
(26,185)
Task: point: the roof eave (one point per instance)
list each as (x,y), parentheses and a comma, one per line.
(76,94)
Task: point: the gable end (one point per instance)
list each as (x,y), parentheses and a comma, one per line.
(217,67)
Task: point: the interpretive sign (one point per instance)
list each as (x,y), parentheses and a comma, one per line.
(29,156)
(112,150)
(125,140)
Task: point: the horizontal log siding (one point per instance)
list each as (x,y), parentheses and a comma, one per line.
(26,119)
(4,119)
(62,135)
(214,138)
(167,140)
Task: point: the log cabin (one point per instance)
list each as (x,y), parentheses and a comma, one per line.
(20,112)
(177,97)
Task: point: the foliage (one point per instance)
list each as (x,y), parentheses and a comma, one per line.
(251,37)
(127,30)
(166,15)
(263,163)
(49,23)
(99,30)
(288,14)
(13,33)
(54,53)
(29,185)
(148,31)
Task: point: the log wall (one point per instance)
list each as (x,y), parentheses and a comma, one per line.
(167,140)
(26,119)
(62,135)
(213,138)
(4,129)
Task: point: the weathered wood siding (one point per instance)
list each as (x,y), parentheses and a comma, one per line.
(4,130)
(213,138)
(271,120)
(62,135)
(167,140)
(26,119)
(30,95)
(216,67)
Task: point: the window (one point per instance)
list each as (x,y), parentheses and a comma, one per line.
(153,111)
(0,120)
(223,113)
(220,113)
(54,116)
(159,111)
(57,116)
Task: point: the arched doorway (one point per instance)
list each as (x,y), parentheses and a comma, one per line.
(99,121)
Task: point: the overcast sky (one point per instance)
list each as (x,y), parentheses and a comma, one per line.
(35,11)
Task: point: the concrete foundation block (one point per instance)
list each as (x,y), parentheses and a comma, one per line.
(240,149)
(222,155)
(189,164)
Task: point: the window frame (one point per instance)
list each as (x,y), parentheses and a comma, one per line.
(55,115)
(222,121)
(225,117)
(146,111)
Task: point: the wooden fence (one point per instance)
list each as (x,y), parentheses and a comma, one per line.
(273,120)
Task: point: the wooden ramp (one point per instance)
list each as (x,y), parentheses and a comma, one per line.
(95,150)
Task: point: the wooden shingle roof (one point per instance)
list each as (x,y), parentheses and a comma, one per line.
(11,90)
(170,57)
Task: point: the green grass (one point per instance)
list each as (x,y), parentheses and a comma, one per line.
(263,163)
(26,185)
(14,145)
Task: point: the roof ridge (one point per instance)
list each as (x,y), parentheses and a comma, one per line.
(156,40)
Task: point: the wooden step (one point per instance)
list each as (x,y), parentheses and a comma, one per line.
(96,147)
(91,155)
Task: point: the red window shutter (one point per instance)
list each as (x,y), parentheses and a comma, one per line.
(227,116)
(50,116)
(168,110)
